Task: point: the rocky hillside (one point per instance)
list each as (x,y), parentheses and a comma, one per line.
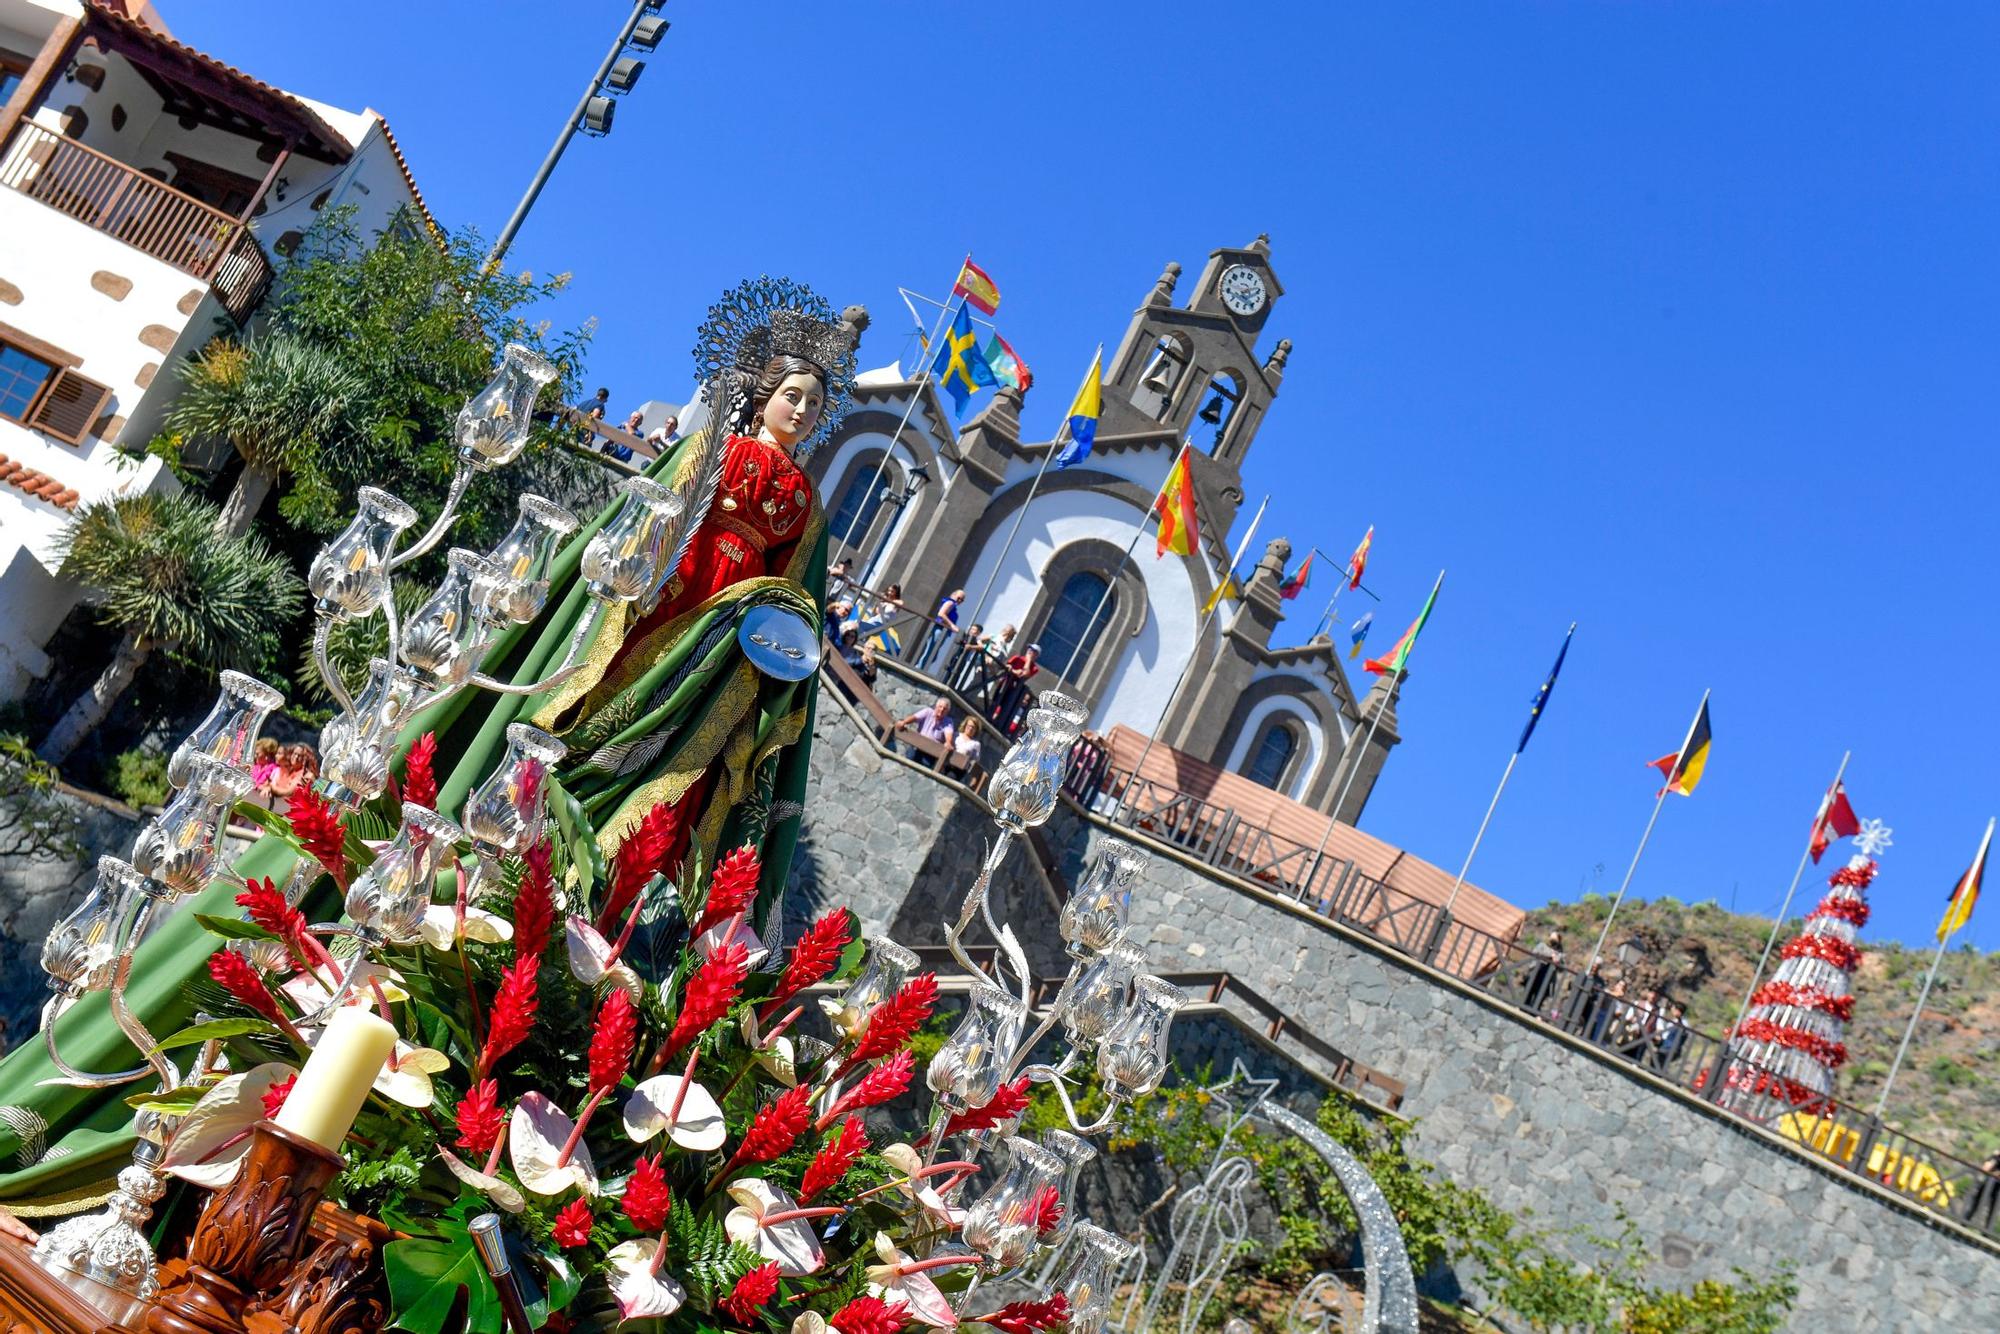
(1948,1092)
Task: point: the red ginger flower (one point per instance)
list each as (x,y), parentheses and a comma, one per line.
(319,832)
(891,1079)
(612,1041)
(894,1021)
(752,1293)
(1006,1104)
(870,1315)
(419,781)
(274,1096)
(534,902)
(775,1129)
(572,1225)
(264,904)
(480,1118)
(643,853)
(1045,1210)
(514,1006)
(238,976)
(833,1161)
(731,888)
(647,1199)
(1027,1317)
(708,996)
(812,958)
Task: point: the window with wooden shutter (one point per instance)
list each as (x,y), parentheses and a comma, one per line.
(70,406)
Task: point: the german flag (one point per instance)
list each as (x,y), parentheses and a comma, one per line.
(1175,506)
(1684,767)
(1965,893)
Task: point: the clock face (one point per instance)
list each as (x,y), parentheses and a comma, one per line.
(1243,290)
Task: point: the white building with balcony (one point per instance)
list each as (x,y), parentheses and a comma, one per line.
(144,187)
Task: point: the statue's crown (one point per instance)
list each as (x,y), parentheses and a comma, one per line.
(797,334)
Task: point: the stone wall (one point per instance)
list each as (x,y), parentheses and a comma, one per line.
(1536,1121)
(34,896)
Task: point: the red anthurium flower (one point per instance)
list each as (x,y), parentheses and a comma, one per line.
(647,1199)
(419,781)
(572,1225)
(835,1159)
(752,1293)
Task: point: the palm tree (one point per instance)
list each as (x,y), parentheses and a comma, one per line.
(279,401)
(164,580)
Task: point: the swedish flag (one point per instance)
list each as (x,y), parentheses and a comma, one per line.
(959,368)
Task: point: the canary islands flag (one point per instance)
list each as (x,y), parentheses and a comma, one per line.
(1083,412)
(1965,893)
(1684,767)
(1175,506)
(1360,634)
(959,368)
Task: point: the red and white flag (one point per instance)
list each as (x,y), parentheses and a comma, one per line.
(1835,820)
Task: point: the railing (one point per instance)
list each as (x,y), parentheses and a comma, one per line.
(130,206)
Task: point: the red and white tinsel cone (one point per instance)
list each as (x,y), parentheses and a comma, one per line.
(1785,1051)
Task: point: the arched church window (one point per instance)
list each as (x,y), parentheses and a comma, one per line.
(1081,611)
(1272,755)
(860,500)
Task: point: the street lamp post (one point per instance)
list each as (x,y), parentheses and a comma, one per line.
(642,31)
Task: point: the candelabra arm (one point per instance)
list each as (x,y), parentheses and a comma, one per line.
(323,662)
(975,902)
(1055,1013)
(131,927)
(1098,1127)
(579,642)
(439,527)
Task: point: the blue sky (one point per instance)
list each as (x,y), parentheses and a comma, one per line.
(1674,320)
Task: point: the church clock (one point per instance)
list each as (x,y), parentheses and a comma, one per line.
(1243,290)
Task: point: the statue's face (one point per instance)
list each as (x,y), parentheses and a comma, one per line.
(793,409)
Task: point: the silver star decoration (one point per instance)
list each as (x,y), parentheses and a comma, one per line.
(1874,837)
(1239,1077)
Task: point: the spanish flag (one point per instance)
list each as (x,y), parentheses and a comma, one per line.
(1359,560)
(1965,893)
(1175,505)
(975,286)
(1683,768)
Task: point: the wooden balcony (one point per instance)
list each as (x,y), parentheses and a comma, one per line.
(130,206)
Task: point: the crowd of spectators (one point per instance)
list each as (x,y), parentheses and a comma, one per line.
(1641,1023)
(277,771)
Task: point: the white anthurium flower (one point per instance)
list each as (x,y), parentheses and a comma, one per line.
(791,1243)
(225,1112)
(698,1128)
(777,1055)
(406,1075)
(640,1289)
(849,1019)
(907,1161)
(493,1188)
(308,993)
(926,1302)
(717,936)
(810,1322)
(440,927)
(590,960)
(536,1134)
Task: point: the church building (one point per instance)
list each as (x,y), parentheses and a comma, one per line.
(1116,626)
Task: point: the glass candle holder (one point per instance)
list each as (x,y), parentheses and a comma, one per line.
(1024,787)
(505,812)
(518,586)
(350,575)
(494,425)
(1075,1152)
(444,639)
(79,953)
(1089,1276)
(230,730)
(884,970)
(354,749)
(1070,713)
(1094,917)
(177,849)
(1101,994)
(625,561)
(387,901)
(968,1068)
(1132,1055)
(1000,1225)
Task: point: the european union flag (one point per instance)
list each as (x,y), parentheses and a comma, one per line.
(1548,687)
(959,368)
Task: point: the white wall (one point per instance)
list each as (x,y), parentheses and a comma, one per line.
(1281,708)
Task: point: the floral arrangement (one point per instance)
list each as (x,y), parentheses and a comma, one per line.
(610,1057)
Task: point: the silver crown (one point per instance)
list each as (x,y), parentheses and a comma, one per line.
(767,317)
(797,334)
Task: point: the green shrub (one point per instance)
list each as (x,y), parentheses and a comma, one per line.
(139,777)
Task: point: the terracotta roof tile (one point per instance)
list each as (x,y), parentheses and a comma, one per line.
(37,484)
(402,164)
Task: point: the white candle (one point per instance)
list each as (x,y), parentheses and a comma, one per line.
(336,1080)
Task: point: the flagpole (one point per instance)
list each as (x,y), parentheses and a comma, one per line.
(1902,1048)
(916,395)
(1104,598)
(1777,924)
(1021,515)
(1473,851)
(1598,949)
